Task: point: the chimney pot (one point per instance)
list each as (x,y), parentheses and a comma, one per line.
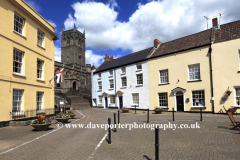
(215,22)
(112,57)
(106,55)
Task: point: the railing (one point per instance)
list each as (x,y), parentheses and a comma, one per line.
(31,114)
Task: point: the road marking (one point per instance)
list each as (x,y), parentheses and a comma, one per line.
(99,144)
(40,136)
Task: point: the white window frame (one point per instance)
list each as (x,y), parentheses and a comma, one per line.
(17,100)
(112,99)
(163,100)
(139,80)
(40,69)
(18,57)
(237,96)
(99,99)
(18,24)
(163,74)
(99,86)
(135,99)
(99,75)
(111,84)
(110,73)
(194,72)
(139,66)
(198,99)
(40,38)
(39,101)
(123,70)
(124,82)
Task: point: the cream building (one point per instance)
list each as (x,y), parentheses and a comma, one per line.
(195,71)
(26,59)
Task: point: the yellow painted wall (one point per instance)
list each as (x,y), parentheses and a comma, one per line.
(177,65)
(27,44)
(225,58)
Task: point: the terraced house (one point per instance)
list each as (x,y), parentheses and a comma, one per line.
(122,82)
(197,71)
(27,60)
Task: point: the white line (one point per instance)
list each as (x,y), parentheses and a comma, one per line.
(40,136)
(99,144)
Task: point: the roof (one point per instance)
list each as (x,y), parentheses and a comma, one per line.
(125,60)
(184,43)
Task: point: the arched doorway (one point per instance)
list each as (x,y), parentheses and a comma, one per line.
(74,85)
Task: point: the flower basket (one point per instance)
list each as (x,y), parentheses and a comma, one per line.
(62,118)
(41,123)
(158,110)
(125,110)
(71,114)
(41,127)
(228,92)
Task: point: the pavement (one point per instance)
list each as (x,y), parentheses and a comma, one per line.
(207,139)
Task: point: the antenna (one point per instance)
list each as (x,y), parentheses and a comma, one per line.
(220,15)
(207,20)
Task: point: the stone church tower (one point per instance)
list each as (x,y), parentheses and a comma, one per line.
(73,47)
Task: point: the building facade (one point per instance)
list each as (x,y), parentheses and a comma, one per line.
(195,71)
(27,60)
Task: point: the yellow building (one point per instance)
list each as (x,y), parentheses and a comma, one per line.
(195,71)
(26,59)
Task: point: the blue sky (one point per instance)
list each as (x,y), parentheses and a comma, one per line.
(120,27)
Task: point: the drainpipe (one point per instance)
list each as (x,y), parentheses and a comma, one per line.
(211,78)
(115,85)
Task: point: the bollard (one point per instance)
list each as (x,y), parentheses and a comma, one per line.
(156,144)
(109,131)
(200,114)
(173,114)
(118,117)
(148,116)
(135,109)
(115,129)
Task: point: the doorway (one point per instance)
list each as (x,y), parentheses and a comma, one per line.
(106,102)
(120,102)
(179,98)
(74,85)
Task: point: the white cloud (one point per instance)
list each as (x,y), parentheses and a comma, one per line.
(52,23)
(34,5)
(92,58)
(57,54)
(163,20)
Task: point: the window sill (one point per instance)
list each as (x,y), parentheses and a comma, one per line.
(134,105)
(40,80)
(99,78)
(139,85)
(138,70)
(41,47)
(110,76)
(100,104)
(20,34)
(194,81)
(163,84)
(111,89)
(123,73)
(99,90)
(163,107)
(123,87)
(198,107)
(20,75)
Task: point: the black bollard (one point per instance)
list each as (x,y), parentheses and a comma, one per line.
(200,114)
(173,114)
(109,131)
(148,116)
(118,117)
(115,129)
(135,109)
(156,144)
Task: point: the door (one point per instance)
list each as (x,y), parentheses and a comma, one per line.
(180,104)
(74,85)
(120,102)
(106,102)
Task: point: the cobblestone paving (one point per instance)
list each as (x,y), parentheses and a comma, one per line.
(213,140)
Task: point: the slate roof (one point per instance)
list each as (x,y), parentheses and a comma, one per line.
(125,60)
(184,43)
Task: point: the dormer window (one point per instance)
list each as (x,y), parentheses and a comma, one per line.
(111,73)
(99,75)
(139,66)
(123,70)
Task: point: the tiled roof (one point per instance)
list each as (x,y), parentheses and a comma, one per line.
(125,60)
(228,31)
(184,43)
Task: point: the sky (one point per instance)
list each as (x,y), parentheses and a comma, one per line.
(121,27)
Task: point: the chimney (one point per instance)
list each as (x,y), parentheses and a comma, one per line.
(156,43)
(108,58)
(215,22)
